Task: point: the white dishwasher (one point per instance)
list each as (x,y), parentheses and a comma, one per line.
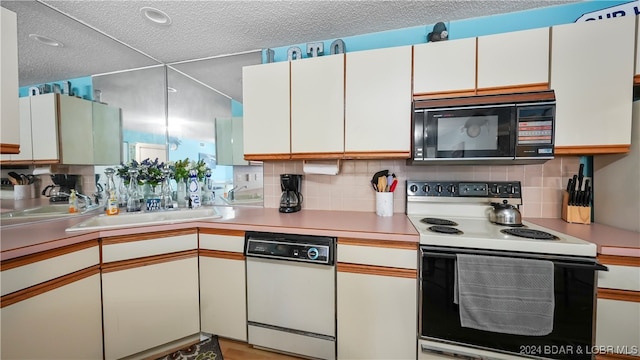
(291,293)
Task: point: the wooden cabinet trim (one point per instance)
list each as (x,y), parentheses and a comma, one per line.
(422,102)
(147,236)
(36,290)
(377,270)
(9,148)
(619,260)
(222,254)
(444,94)
(592,149)
(389,244)
(636,80)
(308,156)
(377,155)
(260,157)
(33,258)
(226,232)
(513,89)
(622,295)
(147,260)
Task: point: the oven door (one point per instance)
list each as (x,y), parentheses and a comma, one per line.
(479,132)
(573,324)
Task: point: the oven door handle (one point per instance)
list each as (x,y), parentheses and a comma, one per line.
(596,266)
(451,353)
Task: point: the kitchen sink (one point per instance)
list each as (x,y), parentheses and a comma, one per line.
(244,199)
(104,222)
(44,211)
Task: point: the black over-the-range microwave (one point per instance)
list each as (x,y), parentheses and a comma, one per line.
(494,129)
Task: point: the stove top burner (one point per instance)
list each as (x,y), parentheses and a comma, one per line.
(529,233)
(445,230)
(437,221)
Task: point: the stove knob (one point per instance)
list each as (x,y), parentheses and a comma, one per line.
(426,188)
(413,188)
(452,188)
(438,188)
(313,253)
(510,189)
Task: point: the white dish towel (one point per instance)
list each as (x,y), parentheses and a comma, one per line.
(505,295)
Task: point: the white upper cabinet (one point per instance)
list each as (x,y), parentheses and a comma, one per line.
(44,128)
(76,131)
(444,66)
(592,75)
(637,73)
(107,134)
(10,124)
(317,106)
(267,116)
(26,147)
(519,58)
(378,103)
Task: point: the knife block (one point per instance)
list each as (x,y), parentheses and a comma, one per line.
(575,214)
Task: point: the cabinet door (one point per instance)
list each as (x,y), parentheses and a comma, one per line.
(618,325)
(378,102)
(377,317)
(9,113)
(63,323)
(149,305)
(223,299)
(514,59)
(593,85)
(76,130)
(265,92)
(637,79)
(26,148)
(44,127)
(317,105)
(107,134)
(445,67)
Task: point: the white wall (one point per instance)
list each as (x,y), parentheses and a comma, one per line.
(617,183)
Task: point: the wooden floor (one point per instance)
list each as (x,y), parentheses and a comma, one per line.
(235,350)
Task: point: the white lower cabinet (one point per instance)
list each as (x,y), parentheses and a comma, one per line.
(223,293)
(151,298)
(51,305)
(376,302)
(618,308)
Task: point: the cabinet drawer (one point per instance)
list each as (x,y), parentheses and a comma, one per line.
(378,256)
(232,241)
(620,277)
(44,267)
(137,246)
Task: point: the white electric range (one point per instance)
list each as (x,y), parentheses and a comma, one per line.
(466,205)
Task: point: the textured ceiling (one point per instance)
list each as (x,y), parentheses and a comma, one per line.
(208,28)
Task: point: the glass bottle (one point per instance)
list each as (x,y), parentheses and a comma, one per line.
(124,194)
(133,203)
(208,195)
(111,193)
(194,189)
(166,198)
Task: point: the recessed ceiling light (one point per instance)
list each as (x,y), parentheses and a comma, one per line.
(171,90)
(155,16)
(46,40)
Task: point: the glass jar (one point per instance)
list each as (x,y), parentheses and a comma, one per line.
(166,200)
(181,192)
(133,202)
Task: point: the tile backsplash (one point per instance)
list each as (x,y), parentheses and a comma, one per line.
(350,190)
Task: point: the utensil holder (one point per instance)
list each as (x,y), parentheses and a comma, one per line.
(575,214)
(21,192)
(384,203)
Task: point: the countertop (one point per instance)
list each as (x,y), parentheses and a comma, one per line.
(31,237)
(20,240)
(610,240)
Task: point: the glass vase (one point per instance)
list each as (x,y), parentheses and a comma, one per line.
(181,193)
(133,202)
(152,197)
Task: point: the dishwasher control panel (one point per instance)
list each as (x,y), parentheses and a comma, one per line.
(311,249)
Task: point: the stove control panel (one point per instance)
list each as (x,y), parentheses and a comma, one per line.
(465,189)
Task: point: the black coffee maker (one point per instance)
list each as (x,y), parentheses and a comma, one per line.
(63,183)
(291,198)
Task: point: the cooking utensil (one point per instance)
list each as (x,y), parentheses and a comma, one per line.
(505,214)
(15,178)
(376,177)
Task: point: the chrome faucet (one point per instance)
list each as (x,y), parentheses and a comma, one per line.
(231,194)
(86,199)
